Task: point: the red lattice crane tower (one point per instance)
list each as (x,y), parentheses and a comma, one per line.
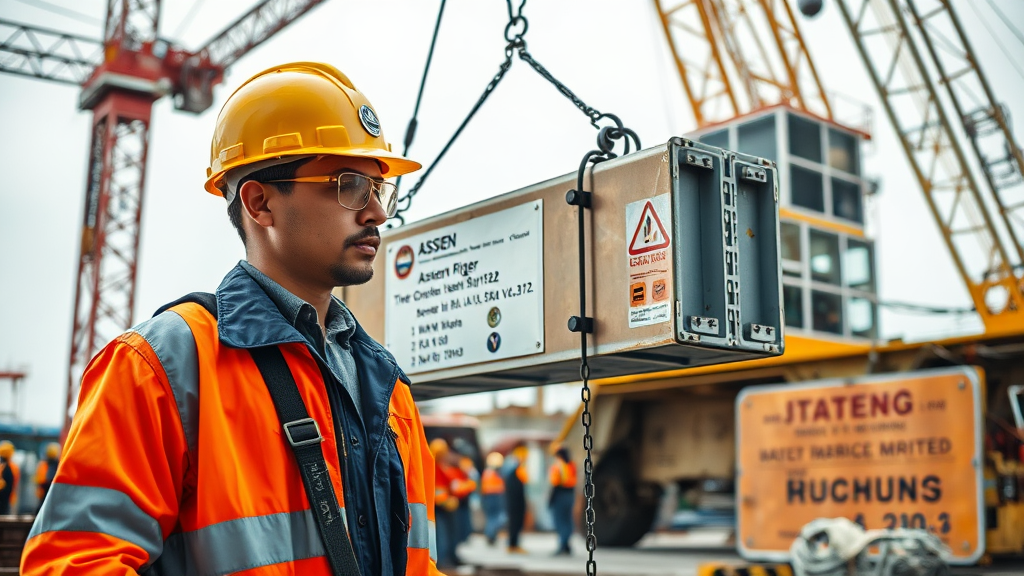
(121,77)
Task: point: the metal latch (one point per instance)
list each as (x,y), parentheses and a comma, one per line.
(762,333)
(754,173)
(699,160)
(704,325)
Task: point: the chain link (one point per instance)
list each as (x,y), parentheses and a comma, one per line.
(516,44)
(405,201)
(586,418)
(588,466)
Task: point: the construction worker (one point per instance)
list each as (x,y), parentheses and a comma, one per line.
(445,483)
(562,476)
(9,476)
(184,456)
(46,471)
(492,497)
(469,481)
(516,479)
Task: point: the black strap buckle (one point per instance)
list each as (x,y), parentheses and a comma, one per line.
(302,434)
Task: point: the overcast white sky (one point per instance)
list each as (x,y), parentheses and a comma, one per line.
(612,53)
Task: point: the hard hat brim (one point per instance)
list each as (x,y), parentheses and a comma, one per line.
(391,164)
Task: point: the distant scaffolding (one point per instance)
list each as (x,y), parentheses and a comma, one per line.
(10,399)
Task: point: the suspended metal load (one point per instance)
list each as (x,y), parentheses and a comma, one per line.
(683,270)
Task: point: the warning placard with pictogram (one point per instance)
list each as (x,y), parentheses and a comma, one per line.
(650,234)
(648,255)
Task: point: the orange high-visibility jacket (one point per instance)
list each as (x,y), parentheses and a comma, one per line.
(14,490)
(562,474)
(491,482)
(176,463)
(42,471)
(462,485)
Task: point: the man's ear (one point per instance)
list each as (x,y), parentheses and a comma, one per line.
(255,198)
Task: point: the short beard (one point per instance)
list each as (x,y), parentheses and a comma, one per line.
(350,275)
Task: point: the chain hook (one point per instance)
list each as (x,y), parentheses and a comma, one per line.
(607,135)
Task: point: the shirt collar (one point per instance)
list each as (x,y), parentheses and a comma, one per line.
(341,325)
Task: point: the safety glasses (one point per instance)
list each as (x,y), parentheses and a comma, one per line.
(354,190)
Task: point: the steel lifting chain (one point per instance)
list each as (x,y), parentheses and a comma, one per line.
(607,136)
(584,324)
(515,31)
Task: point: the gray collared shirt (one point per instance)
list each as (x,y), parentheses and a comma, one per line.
(341,326)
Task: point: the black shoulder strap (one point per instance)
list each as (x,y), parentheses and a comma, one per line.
(205,299)
(303,434)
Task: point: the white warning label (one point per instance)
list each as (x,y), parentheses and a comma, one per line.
(648,254)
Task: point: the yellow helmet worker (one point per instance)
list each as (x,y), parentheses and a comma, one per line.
(300,156)
(10,475)
(46,470)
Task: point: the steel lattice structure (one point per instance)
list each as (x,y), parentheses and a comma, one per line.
(959,205)
(121,76)
(736,56)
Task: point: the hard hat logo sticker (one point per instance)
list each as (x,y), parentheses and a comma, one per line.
(369,120)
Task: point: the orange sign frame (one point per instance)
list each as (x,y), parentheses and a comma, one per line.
(896,451)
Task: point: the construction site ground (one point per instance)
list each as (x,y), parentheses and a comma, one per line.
(658,554)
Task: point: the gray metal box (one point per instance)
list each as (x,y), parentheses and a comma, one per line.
(722,261)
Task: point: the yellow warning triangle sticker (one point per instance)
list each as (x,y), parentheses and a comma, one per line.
(650,234)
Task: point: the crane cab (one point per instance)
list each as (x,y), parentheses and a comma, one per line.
(828,264)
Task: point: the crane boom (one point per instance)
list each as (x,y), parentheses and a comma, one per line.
(898,71)
(252,29)
(736,56)
(47,54)
(983,118)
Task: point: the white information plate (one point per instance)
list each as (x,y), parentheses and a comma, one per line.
(467,293)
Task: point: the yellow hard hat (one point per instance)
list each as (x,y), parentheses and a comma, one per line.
(438,447)
(52,450)
(298,110)
(7,449)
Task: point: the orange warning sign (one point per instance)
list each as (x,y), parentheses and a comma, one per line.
(659,291)
(649,261)
(901,451)
(638,294)
(650,232)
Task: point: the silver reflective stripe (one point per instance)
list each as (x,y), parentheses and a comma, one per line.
(71,508)
(433,541)
(421,530)
(242,544)
(175,346)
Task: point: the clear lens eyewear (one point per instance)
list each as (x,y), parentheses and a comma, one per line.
(354,190)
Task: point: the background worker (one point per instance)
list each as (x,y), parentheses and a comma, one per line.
(516,478)
(492,497)
(447,504)
(562,476)
(9,476)
(465,488)
(273,371)
(46,470)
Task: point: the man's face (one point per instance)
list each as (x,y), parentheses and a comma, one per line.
(317,239)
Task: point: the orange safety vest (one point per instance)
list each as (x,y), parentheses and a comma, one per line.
(491,482)
(152,477)
(42,469)
(563,474)
(14,489)
(442,483)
